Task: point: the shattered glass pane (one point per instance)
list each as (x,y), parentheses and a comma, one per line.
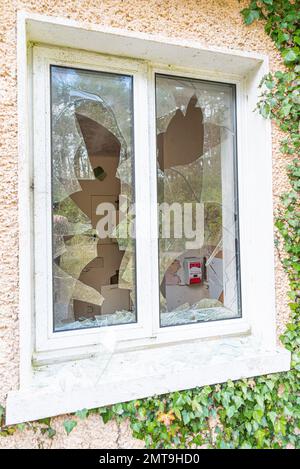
(196,170)
(92,164)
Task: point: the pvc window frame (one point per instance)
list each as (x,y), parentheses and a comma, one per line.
(147,327)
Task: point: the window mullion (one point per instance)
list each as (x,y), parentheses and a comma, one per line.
(144,255)
(153,258)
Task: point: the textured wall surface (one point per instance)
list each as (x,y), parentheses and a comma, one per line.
(211,22)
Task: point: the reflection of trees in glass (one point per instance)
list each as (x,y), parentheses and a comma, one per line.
(200,180)
(78,221)
(82,165)
(175,93)
(68,92)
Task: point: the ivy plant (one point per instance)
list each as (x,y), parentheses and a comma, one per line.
(251,413)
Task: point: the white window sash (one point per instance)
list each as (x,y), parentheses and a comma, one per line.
(43,57)
(195,330)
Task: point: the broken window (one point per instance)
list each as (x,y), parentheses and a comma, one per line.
(92,167)
(92,148)
(198,232)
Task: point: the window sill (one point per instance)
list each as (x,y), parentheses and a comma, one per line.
(119,377)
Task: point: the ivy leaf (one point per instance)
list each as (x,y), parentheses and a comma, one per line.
(246,445)
(196,406)
(238,401)
(45,421)
(185,417)
(8,431)
(21,426)
(270,384)
(230,411)
(51,432)
(265,110)
(136,427)
(177,413)
(260,437)
(272,416)
(106,414)
(82,414)
(289,56)
(224,445)
(258,415)
(279,75)
(286,109)
(118,409)
(260,401)
(2,410)
(296,97)
(270,84)
(248,427)
(250,15)
(282,37)
(69,425)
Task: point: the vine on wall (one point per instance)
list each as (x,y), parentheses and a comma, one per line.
(252,413)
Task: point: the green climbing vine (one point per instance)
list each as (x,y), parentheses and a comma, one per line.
(252,413)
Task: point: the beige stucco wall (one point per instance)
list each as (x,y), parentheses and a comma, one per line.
(212,22)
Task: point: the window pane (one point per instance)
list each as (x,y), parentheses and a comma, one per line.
(92,186)
(198,232)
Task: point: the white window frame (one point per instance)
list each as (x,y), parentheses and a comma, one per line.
(253,337)
(147,326)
